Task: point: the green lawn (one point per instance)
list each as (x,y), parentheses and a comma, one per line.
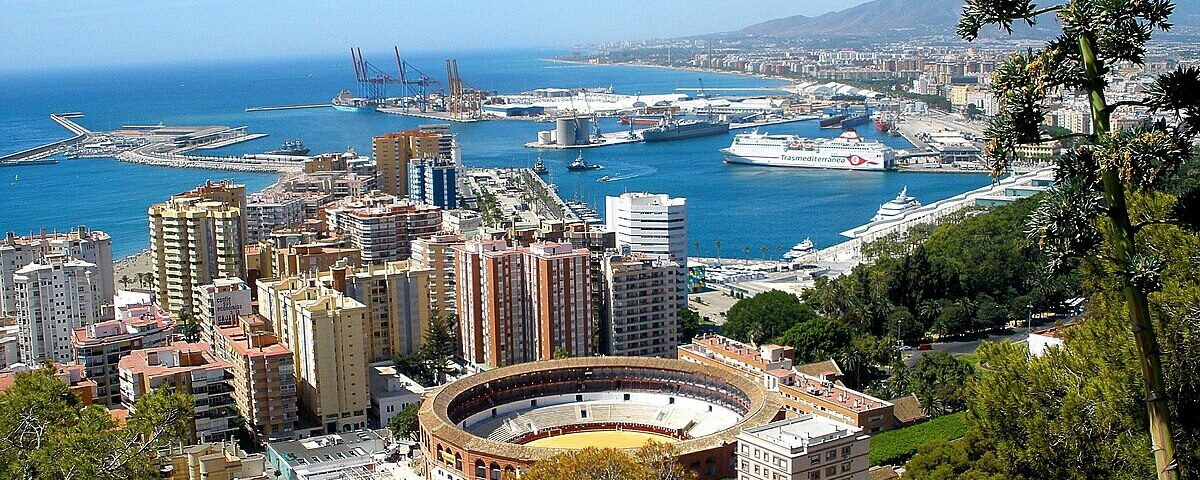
(896,446)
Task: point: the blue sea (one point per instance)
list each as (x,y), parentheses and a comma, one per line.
(740,206)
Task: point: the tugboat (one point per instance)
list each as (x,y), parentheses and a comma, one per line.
(294,148)
(539,167)
(578,165)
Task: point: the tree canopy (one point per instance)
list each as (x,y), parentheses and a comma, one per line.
(47,433)
(765,316)
(653,461)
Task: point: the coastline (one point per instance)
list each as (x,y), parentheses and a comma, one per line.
(759,76)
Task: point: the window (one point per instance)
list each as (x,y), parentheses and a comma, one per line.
(831,470)
(815,458)
(814,475)
(846,451)
(830,455)
(845,467)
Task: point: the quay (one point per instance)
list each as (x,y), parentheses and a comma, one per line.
(287,107)
(147,156)
(231,141)
(626,136)
(33,155)
(442,116)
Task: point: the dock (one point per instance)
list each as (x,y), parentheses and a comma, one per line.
(287,107)
(231,141)
(440,116)
(626,137)
(31,156)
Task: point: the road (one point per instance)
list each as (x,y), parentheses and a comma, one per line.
(964,347)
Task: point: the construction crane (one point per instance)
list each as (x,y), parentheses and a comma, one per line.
(416,87)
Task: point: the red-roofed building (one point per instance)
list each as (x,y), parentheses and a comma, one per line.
(100,346)
(70,373)
(188,368)
(264,379)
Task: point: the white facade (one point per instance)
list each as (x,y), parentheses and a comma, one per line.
(651,223)
(52,300)
(806,447)
(391,393)
(91,246)
(221,303)
(267,212)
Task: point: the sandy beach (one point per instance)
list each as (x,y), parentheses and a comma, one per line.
(131,266)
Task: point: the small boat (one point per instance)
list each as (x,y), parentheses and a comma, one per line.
(579,165)
(800,249)
(290,147)
(605,178)
(539,167)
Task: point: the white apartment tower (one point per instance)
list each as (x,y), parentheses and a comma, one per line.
(653,224)
(92,246)
(54,297)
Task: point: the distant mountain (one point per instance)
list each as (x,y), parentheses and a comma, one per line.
(890,19)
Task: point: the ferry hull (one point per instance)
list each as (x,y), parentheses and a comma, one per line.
(348,108)
(778,162)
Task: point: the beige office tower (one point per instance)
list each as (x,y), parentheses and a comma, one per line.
(641,297)
(195,238)
(397,302)
(325,330)
(436,254)
(394,151)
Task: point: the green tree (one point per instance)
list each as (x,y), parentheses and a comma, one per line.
(47,433)
(439,346)
(188,326)
(765,316)
(404,424)
(817,338)
(1097,178)
(862,358)
(690,324)
(652,461)
(124,281)
(938,379)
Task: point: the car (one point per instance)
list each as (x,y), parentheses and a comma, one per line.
(925,346)
(905,348)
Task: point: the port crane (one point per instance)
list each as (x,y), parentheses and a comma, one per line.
(416,87)
(463,101)
(372,81)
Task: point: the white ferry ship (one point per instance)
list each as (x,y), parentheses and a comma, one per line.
(896,207)
(846,152)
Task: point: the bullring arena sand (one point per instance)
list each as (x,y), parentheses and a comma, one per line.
(600,439)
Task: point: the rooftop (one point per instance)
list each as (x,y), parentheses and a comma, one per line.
(331,448)
(803,431)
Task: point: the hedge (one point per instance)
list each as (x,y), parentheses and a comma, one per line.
(897,446)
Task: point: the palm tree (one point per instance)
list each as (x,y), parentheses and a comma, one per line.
(765,250)
(145,278)
(697,245)
(189,326)
(124,281)
(718,251)
(746,252)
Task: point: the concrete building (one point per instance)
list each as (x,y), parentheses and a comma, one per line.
(10,344)
(816,391)
(326,332)
(344,455)
(213,461)
(434,181)
(391,393)
(642,317)
(394,151)
(54,297)
(71,374)
(653,224)
(518,305)
(436,254)
(266,212)
(806,447)
(382,228)
(219,304)
(304,259)
(187,368)
(558,283)
(264,377)
(92,246)
(100,347)
(196,237)
(397,301)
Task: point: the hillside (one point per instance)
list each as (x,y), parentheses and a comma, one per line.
(889,19)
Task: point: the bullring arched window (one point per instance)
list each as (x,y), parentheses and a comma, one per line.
(458,461)
(495,472)
(480,470)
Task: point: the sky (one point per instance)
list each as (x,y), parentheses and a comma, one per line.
(38,34)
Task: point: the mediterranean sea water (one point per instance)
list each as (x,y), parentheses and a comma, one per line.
(740,206)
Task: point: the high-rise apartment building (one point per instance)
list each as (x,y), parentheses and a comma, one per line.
(264,377)
(188,368)
(653,224)
(100,346)
(642,317)
(219,304)
(518,305)
(196,237)
(434,181)
(308,258)
(266,212)
(436,254)
(394,151)
(383,227)
(327,334)
(92,246)
(54,297)
(397,301)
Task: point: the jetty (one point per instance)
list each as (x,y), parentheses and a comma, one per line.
(287,107)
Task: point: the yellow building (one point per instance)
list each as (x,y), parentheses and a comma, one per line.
(958,94)
(397,301)
(196,237)
(394,151)
(213,461)
(326,332)
(436,253)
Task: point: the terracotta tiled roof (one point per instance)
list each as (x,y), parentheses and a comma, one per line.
(908,409)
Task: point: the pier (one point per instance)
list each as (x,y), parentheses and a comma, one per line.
(625,136)
(287,107)
(440,116)
(147,156)
(33,155)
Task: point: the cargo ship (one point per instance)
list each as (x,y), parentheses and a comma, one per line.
(678,130)
(848,151)
(347,102)
(885,123)
(833,121)
(855,120)
(626,119)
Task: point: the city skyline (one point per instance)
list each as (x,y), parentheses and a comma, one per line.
(87,34)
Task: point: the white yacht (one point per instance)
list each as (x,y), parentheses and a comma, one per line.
(896,207)
(800,249)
